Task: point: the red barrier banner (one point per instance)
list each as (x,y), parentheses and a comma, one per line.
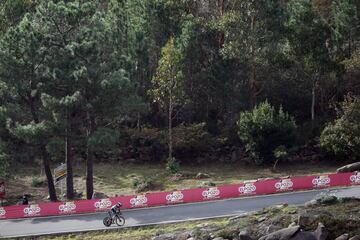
(247,188)
(2,189)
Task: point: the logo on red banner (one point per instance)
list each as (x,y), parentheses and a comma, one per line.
(211,193)
(2,212)
(32,210)
(67,207)
(284,185)
(321,181)
(2,189)
(103,204)
(138,201)
(173,197)
(247,189)
(355,178)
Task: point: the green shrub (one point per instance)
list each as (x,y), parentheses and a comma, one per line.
(264,129)
(172,166)
(38,182)
(342,137)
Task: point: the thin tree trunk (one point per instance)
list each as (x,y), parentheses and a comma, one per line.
(170,128)
(252,87)
(313,102)
(47,169)
(89,160)
(45,157)
(68,158)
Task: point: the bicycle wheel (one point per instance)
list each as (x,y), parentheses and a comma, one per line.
(107,221)
(120,221)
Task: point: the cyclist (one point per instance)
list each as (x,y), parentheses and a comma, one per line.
(115,209)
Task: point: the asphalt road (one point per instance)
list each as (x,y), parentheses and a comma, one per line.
(166,214)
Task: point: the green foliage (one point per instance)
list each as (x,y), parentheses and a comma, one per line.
(56,147)
(172,166)
(168,81)
(37,181)
(280,152)
(264,129)
(104,138)
(342,137)
(4,164)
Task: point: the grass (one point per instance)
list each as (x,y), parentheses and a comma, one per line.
(139,233)
(118,178)
(344,217)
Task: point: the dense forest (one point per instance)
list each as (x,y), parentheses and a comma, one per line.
(77,77)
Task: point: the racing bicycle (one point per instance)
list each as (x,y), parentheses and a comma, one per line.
(117,218)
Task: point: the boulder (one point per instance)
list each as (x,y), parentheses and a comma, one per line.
(349,168)
(345,236)
(357,237)
(321,233)
(99,195)
(282,234)
(243,235)
(202,175)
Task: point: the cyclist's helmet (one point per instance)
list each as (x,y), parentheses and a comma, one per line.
(119,204)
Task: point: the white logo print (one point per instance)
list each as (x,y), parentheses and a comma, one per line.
(321,181)
(175,196)
(211,193)
(67,207)
(355,179)
(138,200)
(2,212)
(248,188)
(103,204)
(32,210)
(284,184)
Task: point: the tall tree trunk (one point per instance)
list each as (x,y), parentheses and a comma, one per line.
(170,127)
(47,169)
(45,157)
(313,101)
(252,83)
(68,158)
(89,159)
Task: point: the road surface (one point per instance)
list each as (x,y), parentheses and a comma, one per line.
(159,215)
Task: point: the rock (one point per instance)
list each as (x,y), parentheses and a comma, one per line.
(207,184)
(311,203)
(357,237)
(236,217)
(321,233)
(243,235)
(99,195)
(261,219)
(349,168)
(293,224)
(282,234)
(218,238)
(167,236)
(202,175)
(177,177)
(202,225)
(327,200)
(343,237)
(191,238)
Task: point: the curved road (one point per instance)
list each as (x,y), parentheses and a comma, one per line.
(166,214)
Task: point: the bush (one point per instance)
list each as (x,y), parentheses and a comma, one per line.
(342,137)
(172,165)
(264,129)
(38,182)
